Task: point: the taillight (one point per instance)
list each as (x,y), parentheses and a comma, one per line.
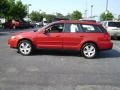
(107,37)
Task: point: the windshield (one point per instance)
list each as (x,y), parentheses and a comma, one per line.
(114,24)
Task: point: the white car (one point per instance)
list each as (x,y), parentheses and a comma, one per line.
(113,28)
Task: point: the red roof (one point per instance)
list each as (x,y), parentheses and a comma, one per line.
(76,21)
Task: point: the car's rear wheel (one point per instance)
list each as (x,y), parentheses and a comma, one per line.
(89,50)
(25,47)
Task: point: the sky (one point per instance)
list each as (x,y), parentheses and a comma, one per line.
(68,6)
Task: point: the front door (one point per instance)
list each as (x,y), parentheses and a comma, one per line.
(52,39)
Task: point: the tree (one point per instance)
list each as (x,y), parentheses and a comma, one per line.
(119,17)
(21,10)
(17,10)
(13,9)
(106,16)
(59,15)
(36,16)
(4,7)
(76,15)
(68,16)
(50,17)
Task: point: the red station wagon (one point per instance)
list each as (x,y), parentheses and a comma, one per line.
(83,36)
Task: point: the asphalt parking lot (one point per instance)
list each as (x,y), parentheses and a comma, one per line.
(58,70)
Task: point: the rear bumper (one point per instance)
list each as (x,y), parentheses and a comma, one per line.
(106,46)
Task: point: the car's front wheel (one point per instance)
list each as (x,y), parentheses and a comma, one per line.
(89,50)
(25,47)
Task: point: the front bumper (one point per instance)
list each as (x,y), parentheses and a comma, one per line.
(12,43)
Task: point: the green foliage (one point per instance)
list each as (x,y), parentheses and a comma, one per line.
(59,15)
(76,15)
(119,17)
(36,16)
(49,17)
(68,16)
(11,9)
(17,10)
(4,7)
(106,16)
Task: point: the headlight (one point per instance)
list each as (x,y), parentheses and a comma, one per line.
(13,37)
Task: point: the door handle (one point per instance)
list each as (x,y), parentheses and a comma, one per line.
(57,36)
(81,36)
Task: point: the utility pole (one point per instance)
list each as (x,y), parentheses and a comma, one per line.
(28,7)
(91,11)
(86,9)
(107,6)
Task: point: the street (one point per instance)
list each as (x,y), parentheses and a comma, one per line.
(58,70)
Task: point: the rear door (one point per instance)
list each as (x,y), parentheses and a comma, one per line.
(72,37)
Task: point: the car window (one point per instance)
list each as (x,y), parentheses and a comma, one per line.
(72,28)
(91,28)
(102,29)
(56,28)
(114,24)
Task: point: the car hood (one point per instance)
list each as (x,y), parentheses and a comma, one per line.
(25,33)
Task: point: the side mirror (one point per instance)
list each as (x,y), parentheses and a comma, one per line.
(46,31)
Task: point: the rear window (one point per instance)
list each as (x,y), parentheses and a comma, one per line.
(114,24)
(91,28)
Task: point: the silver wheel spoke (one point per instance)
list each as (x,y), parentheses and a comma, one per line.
(21,49)
(87,48)
(22,45)
(27,49)
(92,48)
(86,52)
(27,45)
(89,54)
(93,51)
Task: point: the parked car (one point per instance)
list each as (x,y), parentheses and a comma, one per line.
(88,20)
(26,24)
(58,19)
(39,24)
(87,37)
(13,24)
(113,28)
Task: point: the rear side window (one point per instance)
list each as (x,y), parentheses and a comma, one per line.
(91,28)
(114,24)
(102,29)
(72,28)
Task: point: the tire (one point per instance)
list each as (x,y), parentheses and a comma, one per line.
(25,48)
(89,50)
(115,38)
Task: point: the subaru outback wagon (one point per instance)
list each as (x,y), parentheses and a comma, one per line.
(87,37)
